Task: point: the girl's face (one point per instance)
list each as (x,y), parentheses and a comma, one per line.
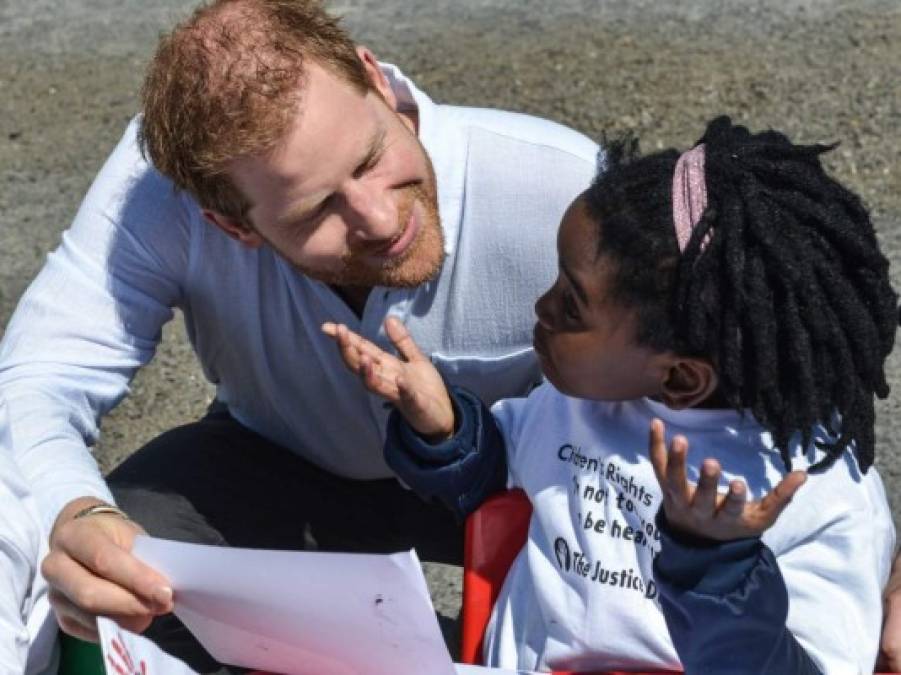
(585,339)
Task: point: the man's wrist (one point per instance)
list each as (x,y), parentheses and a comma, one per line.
(71,509)
(101,508)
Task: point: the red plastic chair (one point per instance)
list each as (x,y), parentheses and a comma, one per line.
(495,533)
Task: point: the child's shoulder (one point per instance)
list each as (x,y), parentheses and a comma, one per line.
(840,502)
(842,486)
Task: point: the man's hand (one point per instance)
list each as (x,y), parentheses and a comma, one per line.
(412,383)
(91,573)
(701,511)
(890,645)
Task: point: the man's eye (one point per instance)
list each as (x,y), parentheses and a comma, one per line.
(367,166)
(316,213)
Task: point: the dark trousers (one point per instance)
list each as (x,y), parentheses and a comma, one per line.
(216,482)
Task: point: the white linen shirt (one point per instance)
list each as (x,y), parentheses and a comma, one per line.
(137,249)
(20,549)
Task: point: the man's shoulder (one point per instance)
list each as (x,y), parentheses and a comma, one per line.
(544,135)
(133,195)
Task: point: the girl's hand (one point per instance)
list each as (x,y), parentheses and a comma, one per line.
(701,511)
(412,384)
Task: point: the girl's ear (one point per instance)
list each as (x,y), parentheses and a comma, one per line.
(689,382)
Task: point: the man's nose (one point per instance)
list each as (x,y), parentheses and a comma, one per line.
(372,212)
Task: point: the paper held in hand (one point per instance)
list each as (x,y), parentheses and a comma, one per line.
(125,653)
(304,613)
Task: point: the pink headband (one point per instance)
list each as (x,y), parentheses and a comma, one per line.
(689,194)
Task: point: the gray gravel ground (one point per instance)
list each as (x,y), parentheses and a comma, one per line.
(823,70)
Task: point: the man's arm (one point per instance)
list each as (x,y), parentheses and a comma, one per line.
(90,319)
(19,546)
(20,543)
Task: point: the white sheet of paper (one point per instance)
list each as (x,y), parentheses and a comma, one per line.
(125,653)
(463,669)
(304,613)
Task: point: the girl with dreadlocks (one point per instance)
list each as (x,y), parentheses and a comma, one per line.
(735,294)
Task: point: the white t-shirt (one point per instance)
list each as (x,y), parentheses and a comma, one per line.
(581,594)
(137,250)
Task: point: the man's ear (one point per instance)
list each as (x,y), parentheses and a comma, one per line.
(376,76)
(689,382)
(236,229)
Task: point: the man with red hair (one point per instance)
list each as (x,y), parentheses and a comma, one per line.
(279,177)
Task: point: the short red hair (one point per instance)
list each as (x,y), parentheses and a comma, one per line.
(227,83)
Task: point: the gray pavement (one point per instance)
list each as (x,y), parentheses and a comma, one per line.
(823,70)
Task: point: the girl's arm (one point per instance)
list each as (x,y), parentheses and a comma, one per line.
(442,443)
(726,606)
(462,471)
(722,593)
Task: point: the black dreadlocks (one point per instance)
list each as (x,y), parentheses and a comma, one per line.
(789,297)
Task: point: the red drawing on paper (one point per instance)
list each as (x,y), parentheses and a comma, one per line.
(126,664)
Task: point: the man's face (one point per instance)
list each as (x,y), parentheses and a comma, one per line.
(349,197)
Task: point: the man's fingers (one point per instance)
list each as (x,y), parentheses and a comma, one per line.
(78,623)
(71,626)
(703,502)
(71,618)
(85,550)
(91,594)
(135,624)
(400,337)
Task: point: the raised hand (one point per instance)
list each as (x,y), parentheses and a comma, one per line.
(701,510)
(411,382)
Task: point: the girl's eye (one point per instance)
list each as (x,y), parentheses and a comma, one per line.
(569,306)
